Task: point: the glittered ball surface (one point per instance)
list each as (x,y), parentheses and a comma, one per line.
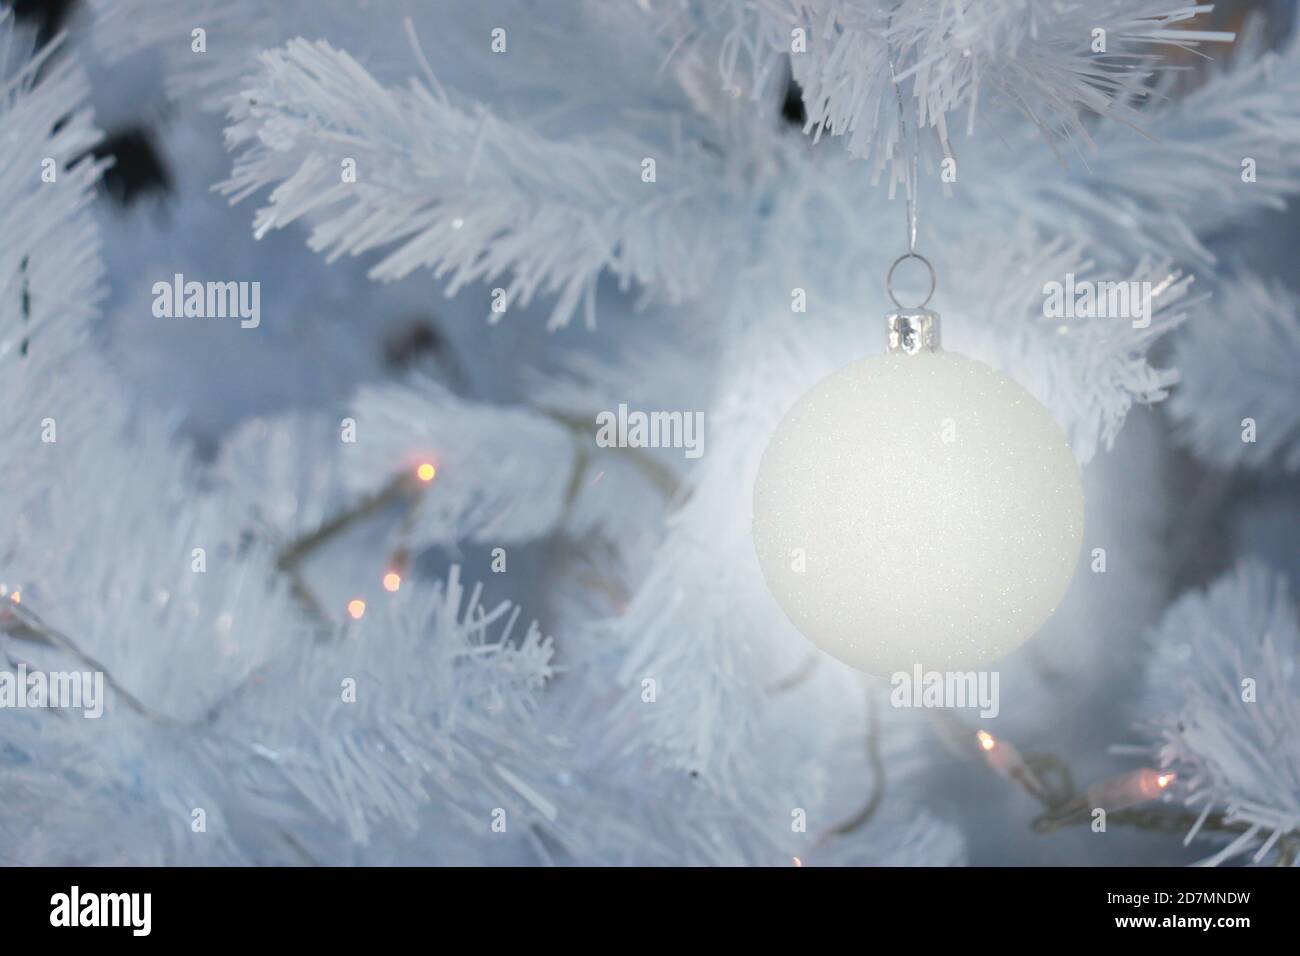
(918,509)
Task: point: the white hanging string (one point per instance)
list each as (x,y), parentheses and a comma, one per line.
(911,195)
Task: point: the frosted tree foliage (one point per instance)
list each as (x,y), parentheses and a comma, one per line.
(545,650)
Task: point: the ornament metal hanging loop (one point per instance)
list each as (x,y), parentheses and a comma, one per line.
(913,328)
(889,280)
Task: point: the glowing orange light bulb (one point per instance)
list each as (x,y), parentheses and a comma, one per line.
(1164,780)
(426,471)
(356,608)
(392,581)
(986,740)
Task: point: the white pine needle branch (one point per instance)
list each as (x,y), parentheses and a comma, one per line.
(1225,705)
(1239,400)
(464,193)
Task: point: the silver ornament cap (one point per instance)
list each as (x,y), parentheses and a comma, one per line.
(913,330)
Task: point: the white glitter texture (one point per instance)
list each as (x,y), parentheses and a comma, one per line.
(918,509)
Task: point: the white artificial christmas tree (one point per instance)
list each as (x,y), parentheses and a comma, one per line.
(543,650)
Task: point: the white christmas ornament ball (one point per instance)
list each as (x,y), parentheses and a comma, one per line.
(918,509)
